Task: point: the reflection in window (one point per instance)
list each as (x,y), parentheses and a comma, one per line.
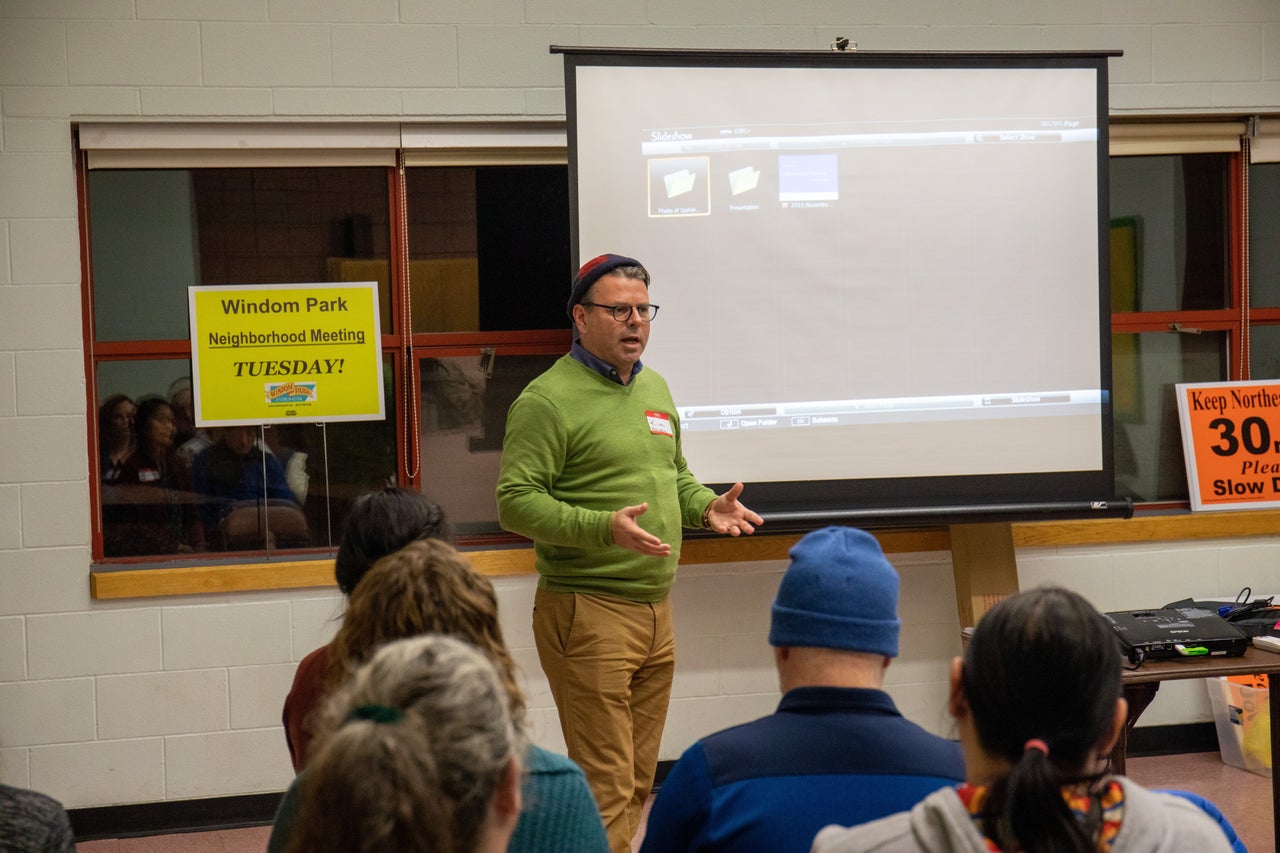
(488,247)
(1264,244)
(148,506)
(1148,440)
(1264,352)
(170,488)
(246,501)
(1178,204)
(157,232)
(463,419)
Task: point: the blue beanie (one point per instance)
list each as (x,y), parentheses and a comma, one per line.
(838,593)
(593,270)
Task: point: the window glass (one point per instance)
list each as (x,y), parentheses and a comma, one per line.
(1264,352)
(488,247)
(156,232)
(1178,206)
(463,416)
(1148,440)
(1264,239)
(170,488)
(338,462)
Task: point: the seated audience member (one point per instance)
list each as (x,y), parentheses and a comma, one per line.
(380,523)
(420,755)
(149,510)
(32,822)
(429,588)
(182,402)
(235,473)
(837,749)
(1038,703)
(190,439)
(289,448)
(115,435)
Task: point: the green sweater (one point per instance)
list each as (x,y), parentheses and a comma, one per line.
(580,446)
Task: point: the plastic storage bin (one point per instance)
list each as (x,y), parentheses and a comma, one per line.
(1242,716)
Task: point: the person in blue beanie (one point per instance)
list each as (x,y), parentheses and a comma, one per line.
(837,750)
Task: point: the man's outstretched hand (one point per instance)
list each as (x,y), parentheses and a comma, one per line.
(728,515)
(629,534)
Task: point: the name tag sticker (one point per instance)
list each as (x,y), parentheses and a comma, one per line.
(660,423)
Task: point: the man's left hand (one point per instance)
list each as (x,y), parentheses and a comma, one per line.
(727,515)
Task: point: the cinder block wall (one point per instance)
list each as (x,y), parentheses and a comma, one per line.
(126,702)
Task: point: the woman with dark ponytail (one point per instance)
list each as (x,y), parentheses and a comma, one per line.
(1038,705)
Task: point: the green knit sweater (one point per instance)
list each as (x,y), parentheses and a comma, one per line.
(579,446)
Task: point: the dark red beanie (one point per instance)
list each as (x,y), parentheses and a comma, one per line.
(591,271)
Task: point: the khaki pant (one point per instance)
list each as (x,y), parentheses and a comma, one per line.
(610,664)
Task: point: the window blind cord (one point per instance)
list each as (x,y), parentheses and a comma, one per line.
(1246,334)
(412,459)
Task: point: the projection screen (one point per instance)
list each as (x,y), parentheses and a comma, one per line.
(882,277)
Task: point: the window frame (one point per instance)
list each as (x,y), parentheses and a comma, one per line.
(195,146)
(1148,138)
(1153,138)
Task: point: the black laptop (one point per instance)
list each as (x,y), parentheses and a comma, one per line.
(1176,632)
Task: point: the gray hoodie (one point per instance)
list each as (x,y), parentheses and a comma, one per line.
(1152,823)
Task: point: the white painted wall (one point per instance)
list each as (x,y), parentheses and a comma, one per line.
(125,702)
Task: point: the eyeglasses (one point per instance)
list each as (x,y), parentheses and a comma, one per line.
(622,313)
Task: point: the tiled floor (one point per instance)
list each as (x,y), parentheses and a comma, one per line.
(1244,798)
(248,840)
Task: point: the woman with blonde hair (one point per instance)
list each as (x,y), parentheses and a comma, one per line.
(420,755)
(1038,704)
(428,587)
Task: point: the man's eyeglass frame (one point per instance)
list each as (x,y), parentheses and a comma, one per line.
(622,313)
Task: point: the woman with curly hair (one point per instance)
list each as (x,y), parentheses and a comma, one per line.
(428,587)
(149,508)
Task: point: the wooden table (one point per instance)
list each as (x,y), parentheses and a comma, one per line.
(1141,684)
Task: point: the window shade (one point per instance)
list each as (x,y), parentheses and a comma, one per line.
(484,145)
(1204,137)
(151,145)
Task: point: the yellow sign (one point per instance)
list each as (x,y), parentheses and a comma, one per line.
(275,353)
(1231,442)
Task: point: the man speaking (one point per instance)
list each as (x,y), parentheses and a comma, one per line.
(593,473)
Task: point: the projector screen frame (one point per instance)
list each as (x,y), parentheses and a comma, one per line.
(906,501)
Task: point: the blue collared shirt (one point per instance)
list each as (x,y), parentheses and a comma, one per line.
(829,755)
(579,352)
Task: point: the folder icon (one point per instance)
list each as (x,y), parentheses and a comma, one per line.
(678,183)
(744,180)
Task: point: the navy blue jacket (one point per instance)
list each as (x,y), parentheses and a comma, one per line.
(828,755)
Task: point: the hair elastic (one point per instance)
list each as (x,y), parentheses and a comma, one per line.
(1037,744)
(376,714)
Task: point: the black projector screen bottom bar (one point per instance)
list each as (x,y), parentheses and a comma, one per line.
(883,276)
(971,514)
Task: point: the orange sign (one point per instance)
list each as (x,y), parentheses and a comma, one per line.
(1231,442)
